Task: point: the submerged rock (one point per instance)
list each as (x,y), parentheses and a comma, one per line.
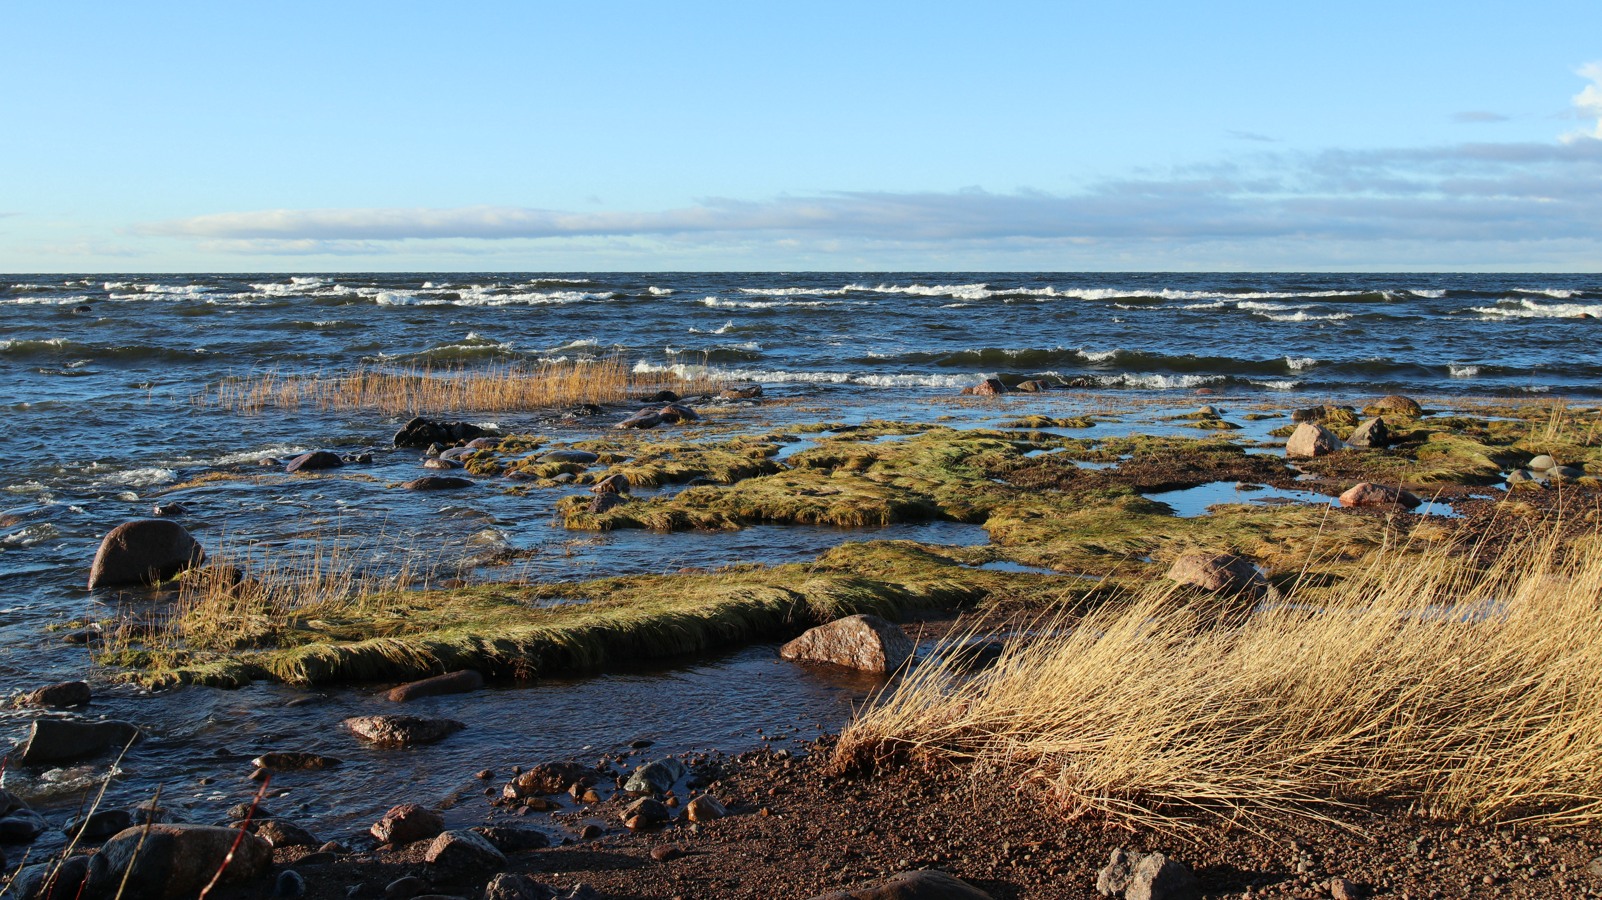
(57,696)
(928,884)
(292,761)
(678,414)
(863,642)
(421,432)
(1311,440)
(68,740)
(1218,573)
(437,483)
(144,551)
(402,731)
(175,862)
(458,682)
(314,461)
(1377,495)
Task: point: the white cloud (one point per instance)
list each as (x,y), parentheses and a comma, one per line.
(1588,102)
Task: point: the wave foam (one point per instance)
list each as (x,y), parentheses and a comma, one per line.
(1530,309)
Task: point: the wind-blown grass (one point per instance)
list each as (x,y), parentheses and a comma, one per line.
(1463,691)
(426,390)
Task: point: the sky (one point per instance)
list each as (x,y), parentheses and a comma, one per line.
(529,136)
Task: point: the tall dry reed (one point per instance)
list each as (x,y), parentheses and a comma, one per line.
(426,390)
(1469,692)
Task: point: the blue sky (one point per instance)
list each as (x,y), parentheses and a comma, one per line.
(1057,136)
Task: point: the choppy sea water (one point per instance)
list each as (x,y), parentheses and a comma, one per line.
(98,374)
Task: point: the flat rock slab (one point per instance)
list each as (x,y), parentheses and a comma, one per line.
(863,642)
(68,740)
(143,551)
(459,682)
(402,731)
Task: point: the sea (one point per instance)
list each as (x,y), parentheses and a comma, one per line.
(103,380)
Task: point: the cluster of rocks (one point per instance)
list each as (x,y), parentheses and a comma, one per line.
(1543,471)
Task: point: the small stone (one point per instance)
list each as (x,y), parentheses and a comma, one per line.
(987,388)
(283,762)
(582,457)
(616,483)
(1394,404)
(645,813)
(1346,889)
(1156,877)
(1542,463)
(279,833)
(440,464)
(704,809)
(928,884)
(513,839)
(516,887)
(667,852)
(590,832)
(1372,434)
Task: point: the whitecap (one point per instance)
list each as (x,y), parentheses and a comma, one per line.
(1457,371)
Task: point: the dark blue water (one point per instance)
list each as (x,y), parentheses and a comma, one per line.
(98,375)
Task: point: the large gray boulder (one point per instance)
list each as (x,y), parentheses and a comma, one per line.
(175,862)
(144,551)
(864,642)
(69,740)
(1309,440)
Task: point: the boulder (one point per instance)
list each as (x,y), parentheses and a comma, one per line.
(864,642)
(1377,495)
(57,696)
(663,396)
(647,812)
(582,457)
(1542,463)
(513,839)
(1371,434)
(282,761)
(605,502)
(987,388)
(314,461)
(21,826)
(704,808)
(928,884)
(655,777)
(421,432)
(616,483)
(1033,386)
(54,880)
(98,825)
(484,443)
(279,833)
(548,778)
(1325,414)
(1311,440)
(741,392)
(645,418)
(175,862)
(1156,877)
(1395,404)
(402,731)
(437,483)
(1218,573)
(406,824)
(144,551)
(464,852)
(68,740)
(458,682)
(441,464)
(678,414)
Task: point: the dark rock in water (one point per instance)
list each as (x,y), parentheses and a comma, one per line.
(484,443)
(583,457)
(279,833)
(269,461)
(741,392)
(987,388)
(437,483)
(678,414)
(604,502)
(143,551)
(458,682)
(98,825)
(407,824)
(583,410)
(239,812)
(1377,495)
(645,418)
(1218,573)
(83,308)
(616,483)
(455,453)
(68,740)
(646,812)
(289,884)
(548,778)
(421,432)
(294,761)
(926,884)
(463,852)
(169,862)
(147,813)
(864,642)
(21,826)
(655,777)
(1373,434)
(512,839)
(167,510)
(358,459)
(314,461)
(1033,386)
(55,880)
(402,731)
(441,464)
(663,397)
(58,696)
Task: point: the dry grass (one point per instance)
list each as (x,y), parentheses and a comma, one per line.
(1467,692)
(425,390)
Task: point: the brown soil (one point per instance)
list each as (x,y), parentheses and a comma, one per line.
(796,831)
